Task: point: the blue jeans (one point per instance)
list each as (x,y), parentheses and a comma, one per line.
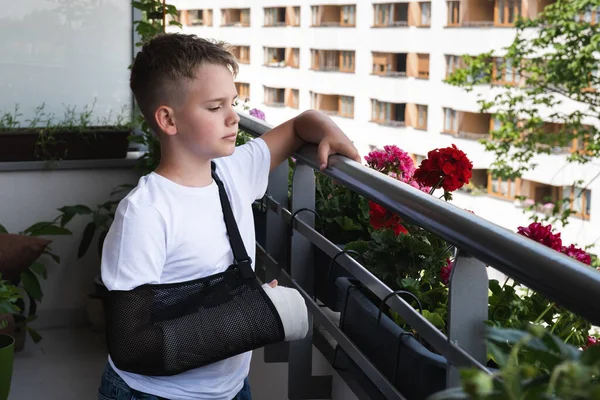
(112,387)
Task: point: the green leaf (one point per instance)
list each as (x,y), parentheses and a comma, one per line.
(31,284)
(53,256)
(497,354)
(70,211)
(39,269)
(35,336)
(46,228)
(3,229)
(435,319)
(86,240)
(591,356)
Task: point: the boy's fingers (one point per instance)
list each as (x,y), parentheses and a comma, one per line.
(273,283)
(323,155)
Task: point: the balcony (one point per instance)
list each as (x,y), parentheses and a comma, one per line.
(333,16)
(390,15)
(401,64)
(332,60)
(496,13)
(467,125)
(196,17)
(282,16)
(280,57)
(239,17)
(355,347)
(333,104)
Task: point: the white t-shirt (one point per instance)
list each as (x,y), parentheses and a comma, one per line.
(167,233)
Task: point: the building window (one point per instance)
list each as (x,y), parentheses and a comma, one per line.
(235,17)
(242,53)
(293,16)
(504,73)
(275,16)
(425,14)
(388,113)
(505,188)
(452,64)
(506,12)
(275,56)
(346,61)
(347,106)
(389,64)
(348,15)
(421,117)
(591,15)
(243,90)
(579,201)
(391,14)
(274,97)
(423,66)
(450,120)
(292,57)
(453,13)
(291,98)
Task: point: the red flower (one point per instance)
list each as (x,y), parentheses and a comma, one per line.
(577,253)
(449,165)
(381,218)
(591,341)
(542,234)
(445,272)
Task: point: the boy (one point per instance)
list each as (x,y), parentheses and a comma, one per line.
(170,228)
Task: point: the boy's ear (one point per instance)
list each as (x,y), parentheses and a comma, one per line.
(165,119)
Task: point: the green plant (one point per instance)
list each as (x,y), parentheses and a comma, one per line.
(558,64)
(101,219)
(29,279)
(9,295)
(534,364)
(46,125)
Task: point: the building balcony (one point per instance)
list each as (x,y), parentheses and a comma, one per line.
(355,348)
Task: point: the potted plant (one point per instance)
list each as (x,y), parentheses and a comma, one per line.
(8,298)
(533,364)
(20,265)
(74,137)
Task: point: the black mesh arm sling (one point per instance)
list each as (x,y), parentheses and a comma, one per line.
(166,329)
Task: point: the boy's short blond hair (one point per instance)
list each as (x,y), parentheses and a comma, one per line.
(167,63)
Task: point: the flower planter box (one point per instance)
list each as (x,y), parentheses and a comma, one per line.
(93,143)
(326,289)
(414,370)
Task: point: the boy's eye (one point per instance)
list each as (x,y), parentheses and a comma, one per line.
(217,108)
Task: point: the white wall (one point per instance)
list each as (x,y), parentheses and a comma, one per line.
(65,52)
(27,197)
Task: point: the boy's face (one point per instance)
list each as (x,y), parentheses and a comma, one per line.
(206,121)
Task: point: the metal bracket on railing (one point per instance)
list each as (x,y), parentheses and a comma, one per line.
(301,383)
(467,310)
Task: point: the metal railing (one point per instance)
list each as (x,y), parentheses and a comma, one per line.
(290,239)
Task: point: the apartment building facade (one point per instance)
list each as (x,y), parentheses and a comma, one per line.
(377,68)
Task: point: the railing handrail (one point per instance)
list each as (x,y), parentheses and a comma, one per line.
(562,279)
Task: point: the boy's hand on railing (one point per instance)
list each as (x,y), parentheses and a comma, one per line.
(273,283)
(336,142)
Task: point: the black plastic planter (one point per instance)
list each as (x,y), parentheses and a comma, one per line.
(413,369)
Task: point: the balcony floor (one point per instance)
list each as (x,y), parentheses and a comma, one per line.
(67,365)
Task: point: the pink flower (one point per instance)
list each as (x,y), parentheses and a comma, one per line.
(256,113)
(445,272)
(542,234)
(392,160)
(577,253)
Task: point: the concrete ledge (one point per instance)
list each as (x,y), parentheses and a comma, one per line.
(128,162)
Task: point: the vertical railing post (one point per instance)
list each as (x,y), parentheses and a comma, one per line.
(467,310)
(277,245)
(301,383)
